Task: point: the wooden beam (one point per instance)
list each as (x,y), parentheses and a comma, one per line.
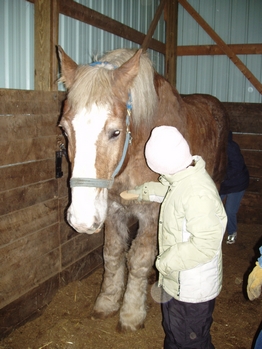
(54,42)
(171,13)
(46,38)
(224,47)
(153,25)
(86,15)
(207,50)
(96,19)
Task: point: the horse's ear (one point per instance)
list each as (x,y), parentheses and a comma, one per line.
(68,67)
(125,74)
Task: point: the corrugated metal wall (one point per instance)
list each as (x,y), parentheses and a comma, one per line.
(235,21)
(16,44)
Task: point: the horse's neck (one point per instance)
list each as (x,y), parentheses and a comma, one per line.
(170,104)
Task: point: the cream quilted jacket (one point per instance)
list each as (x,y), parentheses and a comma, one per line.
(192,223)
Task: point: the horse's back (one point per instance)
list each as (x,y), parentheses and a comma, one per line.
(207,131)
(207,103)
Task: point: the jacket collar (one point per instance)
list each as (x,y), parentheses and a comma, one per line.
(176,177)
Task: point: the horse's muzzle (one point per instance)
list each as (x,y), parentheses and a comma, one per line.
(82,227)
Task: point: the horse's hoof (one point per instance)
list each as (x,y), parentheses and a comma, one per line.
(126,328)
(99,315)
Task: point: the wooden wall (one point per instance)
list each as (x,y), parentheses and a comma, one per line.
(39,252)
(246,125)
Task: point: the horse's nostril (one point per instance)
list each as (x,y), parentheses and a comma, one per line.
(84,227)
(96,227)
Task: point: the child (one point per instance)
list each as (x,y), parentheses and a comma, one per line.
(192,223)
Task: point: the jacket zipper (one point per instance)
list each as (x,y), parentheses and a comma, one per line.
(178,291)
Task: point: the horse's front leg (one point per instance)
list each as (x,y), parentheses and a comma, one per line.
(141,258)
(114,253)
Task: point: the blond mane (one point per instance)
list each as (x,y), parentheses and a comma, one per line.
(93,85)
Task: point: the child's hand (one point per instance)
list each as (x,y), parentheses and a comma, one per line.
(254,282)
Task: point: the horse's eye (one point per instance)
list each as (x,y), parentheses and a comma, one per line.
(115,134)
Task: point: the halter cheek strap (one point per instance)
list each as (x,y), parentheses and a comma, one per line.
(107,183)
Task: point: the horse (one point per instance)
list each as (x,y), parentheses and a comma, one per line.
(110,109)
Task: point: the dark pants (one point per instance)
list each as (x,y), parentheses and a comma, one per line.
(258,344)
(187,325)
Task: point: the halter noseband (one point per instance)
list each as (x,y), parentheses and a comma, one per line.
(107,183)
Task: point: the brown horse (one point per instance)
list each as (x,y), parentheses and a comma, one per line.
(107,102)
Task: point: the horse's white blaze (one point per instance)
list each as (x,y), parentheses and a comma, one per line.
(88,209)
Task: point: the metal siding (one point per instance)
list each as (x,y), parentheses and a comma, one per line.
(17,44)
(236,22)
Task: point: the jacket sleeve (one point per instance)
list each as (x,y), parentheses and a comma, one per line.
(150,191)
(206,222)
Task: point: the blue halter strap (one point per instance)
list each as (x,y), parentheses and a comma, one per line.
(100,182)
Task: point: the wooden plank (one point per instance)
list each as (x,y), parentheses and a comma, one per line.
(255,186)
(171,13)
(63,188)
(83,267)
(28,306)
(66,232)
(244,117)
(253,160)
(79,246)
(27,221)
(28,276)
(17,127)
(236,109)
(212,50)
(46,39)
(25,150)
(248,141)
(32,246)
(22,197)
(231,55)
(18,102)
(19,175)
(63,205)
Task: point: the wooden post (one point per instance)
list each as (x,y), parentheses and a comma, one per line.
(46,39)
(171,12)
(224,47)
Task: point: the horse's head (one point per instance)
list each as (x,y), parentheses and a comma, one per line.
(94,120)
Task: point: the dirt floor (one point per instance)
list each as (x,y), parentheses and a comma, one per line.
(66,323)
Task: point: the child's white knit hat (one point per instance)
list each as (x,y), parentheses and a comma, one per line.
(167,151)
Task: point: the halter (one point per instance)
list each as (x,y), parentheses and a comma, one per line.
(100,182)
